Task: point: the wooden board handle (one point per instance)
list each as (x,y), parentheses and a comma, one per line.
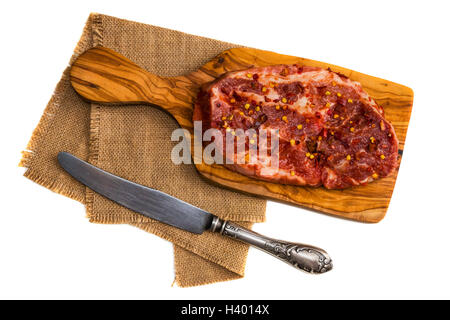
(102,75)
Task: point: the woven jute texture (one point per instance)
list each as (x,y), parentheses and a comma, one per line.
(134,142)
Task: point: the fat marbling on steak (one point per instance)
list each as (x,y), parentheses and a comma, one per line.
(331,132)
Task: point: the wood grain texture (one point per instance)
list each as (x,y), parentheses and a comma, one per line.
(104,76)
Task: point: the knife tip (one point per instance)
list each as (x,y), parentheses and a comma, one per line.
(62,157)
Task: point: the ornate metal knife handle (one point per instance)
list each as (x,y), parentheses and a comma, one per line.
(300,256)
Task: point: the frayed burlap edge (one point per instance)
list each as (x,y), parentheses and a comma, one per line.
(93,34)
(46,121)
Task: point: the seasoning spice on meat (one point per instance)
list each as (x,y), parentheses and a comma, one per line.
(331,132)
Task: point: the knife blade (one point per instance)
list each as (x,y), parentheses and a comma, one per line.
(146,201)
(175,212)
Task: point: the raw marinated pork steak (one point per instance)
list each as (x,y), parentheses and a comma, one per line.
(331,132)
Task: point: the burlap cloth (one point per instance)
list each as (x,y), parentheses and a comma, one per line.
(134,142)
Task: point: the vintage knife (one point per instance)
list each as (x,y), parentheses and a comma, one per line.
(165,208)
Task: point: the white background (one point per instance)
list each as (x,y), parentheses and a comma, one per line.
(49,250)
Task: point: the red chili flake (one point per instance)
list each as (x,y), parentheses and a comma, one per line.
(237,97)
(267,99)
(255,76)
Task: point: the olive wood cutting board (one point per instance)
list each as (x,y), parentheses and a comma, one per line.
(104,76)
